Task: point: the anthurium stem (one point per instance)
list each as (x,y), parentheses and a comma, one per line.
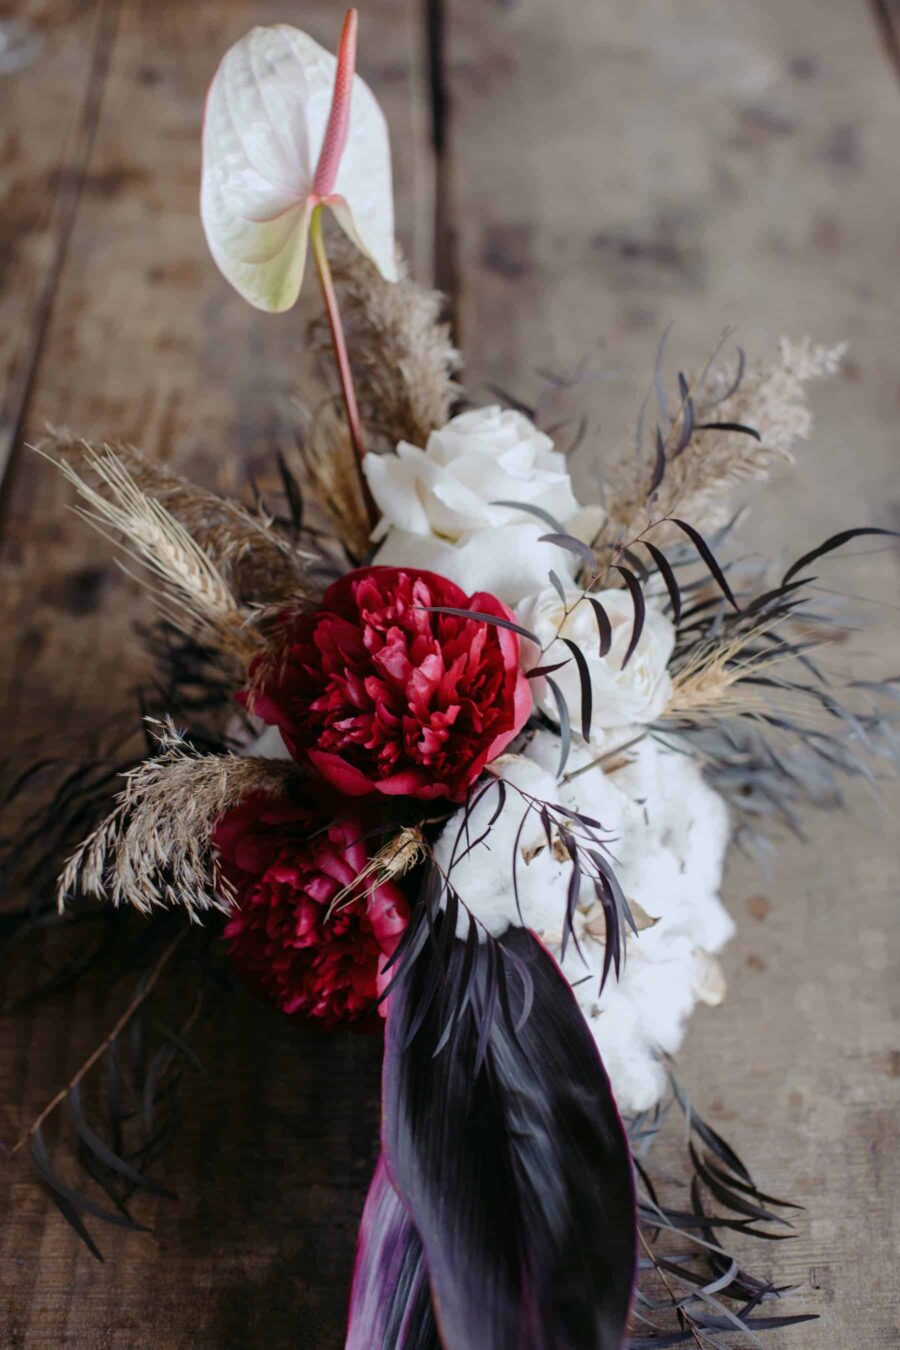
(326,281)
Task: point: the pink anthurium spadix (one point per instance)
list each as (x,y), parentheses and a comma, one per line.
(290,128)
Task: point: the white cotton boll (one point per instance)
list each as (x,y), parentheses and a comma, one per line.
(483,874)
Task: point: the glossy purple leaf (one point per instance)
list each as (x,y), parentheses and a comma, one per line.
(517,1175)
(390,1303)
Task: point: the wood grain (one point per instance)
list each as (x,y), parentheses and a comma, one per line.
(600,169)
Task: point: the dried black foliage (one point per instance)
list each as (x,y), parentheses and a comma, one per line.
(694,1291)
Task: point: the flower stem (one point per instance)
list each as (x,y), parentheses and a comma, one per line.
(326,281)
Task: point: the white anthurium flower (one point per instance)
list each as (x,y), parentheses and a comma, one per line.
(667,832)
(289,127)
(623,695)
(439,506)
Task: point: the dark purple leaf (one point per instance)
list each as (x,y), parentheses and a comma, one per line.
(708,557)
(535,671)
(836,541)
(729,426)
(537,511)
(484,618)
(604,627)
(390,1304)
(584,676)
(659,468)
(640,611)
(572,545)
(565,726)
(517,1178)
(668,575)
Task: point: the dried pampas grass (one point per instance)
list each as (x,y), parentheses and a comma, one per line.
(259,564)
(154,848)
(331,471)
(402,357)
(698,480)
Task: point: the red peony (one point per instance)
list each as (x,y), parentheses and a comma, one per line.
(286,864)
(381,696)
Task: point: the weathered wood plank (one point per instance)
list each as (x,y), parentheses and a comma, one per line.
(615,168)
(141,339)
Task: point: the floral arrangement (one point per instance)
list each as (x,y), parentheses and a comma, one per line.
(463,761)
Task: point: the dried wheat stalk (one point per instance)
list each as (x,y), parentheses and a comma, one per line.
(329,464)
(259,564)
(154,848)
(187,585)
(697,483)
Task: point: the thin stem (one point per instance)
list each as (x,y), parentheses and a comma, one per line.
(329,297)
(142,993)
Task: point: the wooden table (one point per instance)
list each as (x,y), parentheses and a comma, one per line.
(576,175)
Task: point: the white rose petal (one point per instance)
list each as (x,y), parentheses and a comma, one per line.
(636,694)
(438,505)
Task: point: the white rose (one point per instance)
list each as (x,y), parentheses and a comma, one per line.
(438,509)
(621,697)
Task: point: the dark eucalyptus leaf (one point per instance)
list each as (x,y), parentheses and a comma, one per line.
(659,467)
(739,427)
(75,1199)
(668,575)
(565,726)
(604,627)
(708,557)
(572,545)
(640,611)
(518,1179)
(494,619)
(536,671)
(104,1154)
(584,676)
(537,511)
(835,541)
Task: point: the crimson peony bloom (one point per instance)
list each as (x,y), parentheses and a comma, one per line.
(286,864)
(381,696)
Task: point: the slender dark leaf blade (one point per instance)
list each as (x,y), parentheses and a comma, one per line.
(835,541)
(604,627)
(584,676)
(390,1303)
(640,610)
(659,468)
(739,427)
(483,618)
(537,511)
(565,726)
(572,545)
(518,1178)
(709,558)
(75,1199)
(536,671)
(104,1154)
(667,573)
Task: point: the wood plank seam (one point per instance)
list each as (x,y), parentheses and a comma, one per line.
(64,211)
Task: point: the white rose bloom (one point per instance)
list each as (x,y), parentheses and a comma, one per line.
(437,503)
(621,697)
(667,833)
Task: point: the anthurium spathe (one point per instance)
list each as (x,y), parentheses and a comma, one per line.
(288,128)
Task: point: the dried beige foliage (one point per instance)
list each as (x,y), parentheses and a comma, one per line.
(403,360)
(698,483)
(259,564)
(154,848)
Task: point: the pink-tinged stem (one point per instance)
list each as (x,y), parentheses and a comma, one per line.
(317,242)
(339,115)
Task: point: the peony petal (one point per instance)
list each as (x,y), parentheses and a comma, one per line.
(266,115)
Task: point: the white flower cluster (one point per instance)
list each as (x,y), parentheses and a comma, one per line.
(439,505)
(667,833)
(667,830)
